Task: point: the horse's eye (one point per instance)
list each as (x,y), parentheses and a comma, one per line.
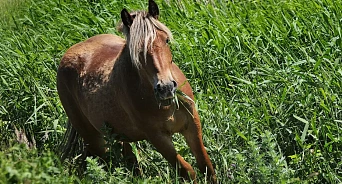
(167,40)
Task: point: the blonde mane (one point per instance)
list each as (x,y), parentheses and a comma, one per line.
(141,34)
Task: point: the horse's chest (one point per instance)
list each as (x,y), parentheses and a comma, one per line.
(175,123)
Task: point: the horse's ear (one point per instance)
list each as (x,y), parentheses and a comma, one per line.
(153,9)
(126,18)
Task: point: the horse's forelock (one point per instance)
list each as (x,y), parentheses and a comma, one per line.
(141,33)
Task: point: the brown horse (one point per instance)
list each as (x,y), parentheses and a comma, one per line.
(131,85)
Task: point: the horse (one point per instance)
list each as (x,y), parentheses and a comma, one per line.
(134,87)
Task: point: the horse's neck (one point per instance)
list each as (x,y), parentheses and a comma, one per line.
(130,77)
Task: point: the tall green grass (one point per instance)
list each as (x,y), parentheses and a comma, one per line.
(7,7)
(267,77)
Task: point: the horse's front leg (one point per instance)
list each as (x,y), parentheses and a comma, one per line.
(164,145)
(193,136)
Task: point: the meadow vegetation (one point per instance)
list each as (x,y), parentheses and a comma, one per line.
(267,77)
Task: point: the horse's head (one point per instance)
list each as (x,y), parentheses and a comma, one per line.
(148,39)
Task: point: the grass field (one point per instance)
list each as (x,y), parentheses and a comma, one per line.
(267,77)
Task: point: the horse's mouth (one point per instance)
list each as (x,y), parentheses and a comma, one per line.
(165,102)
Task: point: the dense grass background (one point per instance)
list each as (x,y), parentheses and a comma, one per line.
(267,76)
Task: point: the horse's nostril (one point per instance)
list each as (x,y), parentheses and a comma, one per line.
(158,87)
(174,84)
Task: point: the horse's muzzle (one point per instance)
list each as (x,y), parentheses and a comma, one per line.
(165,92)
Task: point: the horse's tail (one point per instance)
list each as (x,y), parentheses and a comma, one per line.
(71,145)
(73,150)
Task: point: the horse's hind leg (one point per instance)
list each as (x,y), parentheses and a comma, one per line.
(193,136)
(93,139)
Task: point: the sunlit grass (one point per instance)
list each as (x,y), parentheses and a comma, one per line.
(10,9)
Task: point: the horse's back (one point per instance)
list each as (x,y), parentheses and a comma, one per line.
(93,54)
